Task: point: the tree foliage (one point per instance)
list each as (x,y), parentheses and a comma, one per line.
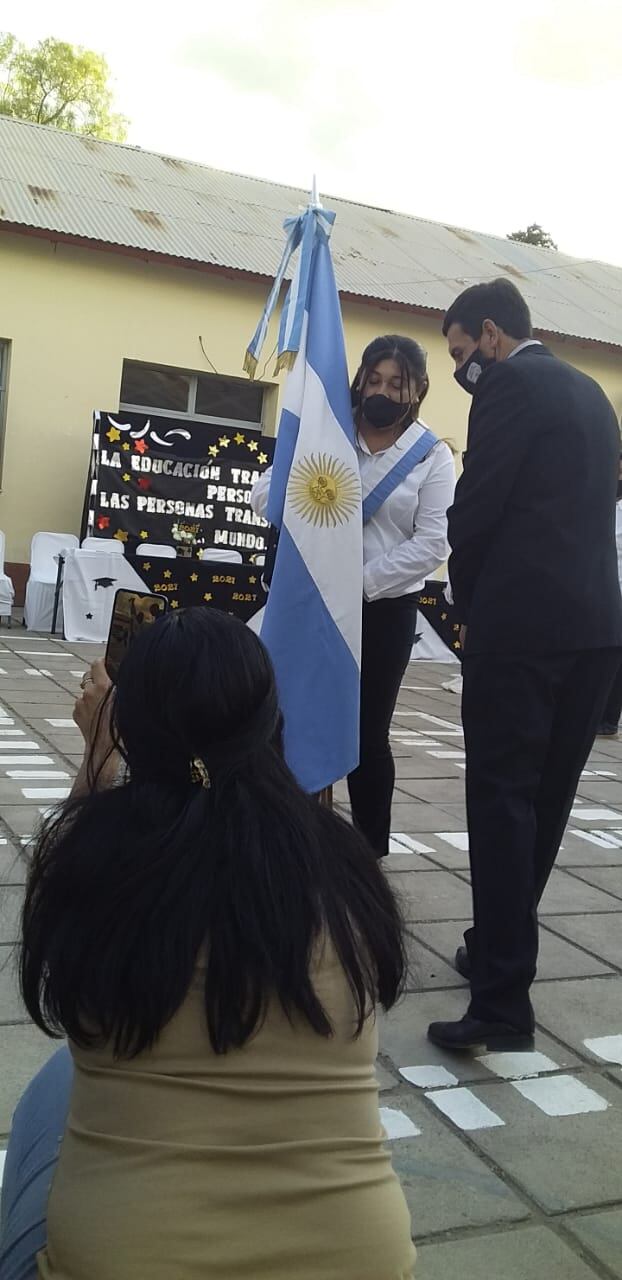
(58,84)
(534,234)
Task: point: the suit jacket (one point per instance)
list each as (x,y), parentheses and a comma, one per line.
(533,564)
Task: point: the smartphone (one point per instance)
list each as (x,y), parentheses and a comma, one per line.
(131,612)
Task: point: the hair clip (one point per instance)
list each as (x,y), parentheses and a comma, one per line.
(198,772)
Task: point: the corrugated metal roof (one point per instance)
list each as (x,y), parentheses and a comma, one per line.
(60,182)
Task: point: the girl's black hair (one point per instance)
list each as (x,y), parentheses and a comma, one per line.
(408,355)
(130,887)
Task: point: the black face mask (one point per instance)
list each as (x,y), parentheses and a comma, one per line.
(382,413)
(469,374)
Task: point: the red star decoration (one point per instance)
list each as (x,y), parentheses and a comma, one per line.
(144,483)
(103,522)
(141,446)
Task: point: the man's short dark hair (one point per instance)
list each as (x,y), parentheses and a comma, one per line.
(497,300)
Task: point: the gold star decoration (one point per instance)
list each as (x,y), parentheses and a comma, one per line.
(213,450)
(147,566)
(167,574)
(144,535)
(224,442)
(126,447)
(127,477)
(253,446)
(262,458)
(253,580)
(207,597)
(113,435)
(239,438)
(457,644)
(443,617)
(120,535)
(174,604)
(194,577)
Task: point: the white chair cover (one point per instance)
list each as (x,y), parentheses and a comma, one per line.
(91,581)
(7,590)
(104,544)
(221,553)
(41,586)
(159,552)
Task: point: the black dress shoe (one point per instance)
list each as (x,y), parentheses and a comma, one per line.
(462,963)
(470,1033)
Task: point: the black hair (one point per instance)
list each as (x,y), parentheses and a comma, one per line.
(130,886)
(412,361)
(497,300)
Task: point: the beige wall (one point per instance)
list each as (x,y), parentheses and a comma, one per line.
(73,315)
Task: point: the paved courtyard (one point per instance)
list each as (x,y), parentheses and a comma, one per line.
(512,1163)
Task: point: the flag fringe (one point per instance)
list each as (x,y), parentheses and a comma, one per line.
(250,364)
(286,360)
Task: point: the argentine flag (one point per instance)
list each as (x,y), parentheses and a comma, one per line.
(312,620)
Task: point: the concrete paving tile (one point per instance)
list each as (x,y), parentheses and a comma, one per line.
(601,1233)
(557,959)
(445,1184)
(529,1253)
(11,1007)
(403,1036)
(24,1050)
(423,766)
(13,868)
(434,895)
(580,1009)
(21,819)
(29,696)
(565,894)
(423,817)
(425,971)
(591,848)
(600,934)
(540,1152)
(386,1079)
(606,791)
(11,897)
(436,791)
(609,879)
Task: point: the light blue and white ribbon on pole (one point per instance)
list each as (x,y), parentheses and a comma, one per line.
(312,620)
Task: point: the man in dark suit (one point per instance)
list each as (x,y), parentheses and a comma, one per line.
(533,571)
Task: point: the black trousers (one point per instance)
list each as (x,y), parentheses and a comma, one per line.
(529,725)
(613,709)
(388,636)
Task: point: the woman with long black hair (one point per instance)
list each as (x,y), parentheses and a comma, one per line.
(214,944)
(408,480)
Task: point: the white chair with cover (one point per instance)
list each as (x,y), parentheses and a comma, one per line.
(90,584)
(159,552)
(41,586)
(103,544)
(221,553)
(7,590)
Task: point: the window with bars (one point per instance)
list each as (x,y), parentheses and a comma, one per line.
(180,394)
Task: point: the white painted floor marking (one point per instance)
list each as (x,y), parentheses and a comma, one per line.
(428,1077)
(447,755)
(602,841)
(459,765)
(421,688)
(23,775)
(609,1048)
(604,773)
(41,653)
(561,1096)
(410,844)
(45,793)
(62,724)
(595,815)
(20,746)
(444,724)
(397,1124)
(517,1066)
(465,1110)
(457,839)
(25,760)
(10,733)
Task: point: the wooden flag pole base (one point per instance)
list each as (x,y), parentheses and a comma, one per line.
(325,797)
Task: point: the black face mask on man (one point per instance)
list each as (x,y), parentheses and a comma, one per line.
(381,412)
(469,373)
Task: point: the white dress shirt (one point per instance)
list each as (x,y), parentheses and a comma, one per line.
(406,540)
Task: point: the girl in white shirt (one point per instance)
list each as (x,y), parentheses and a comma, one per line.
(408,482)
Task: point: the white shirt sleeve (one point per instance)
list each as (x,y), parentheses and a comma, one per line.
(259,493)
(416,558)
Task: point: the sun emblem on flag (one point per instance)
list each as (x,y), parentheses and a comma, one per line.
(323,490)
